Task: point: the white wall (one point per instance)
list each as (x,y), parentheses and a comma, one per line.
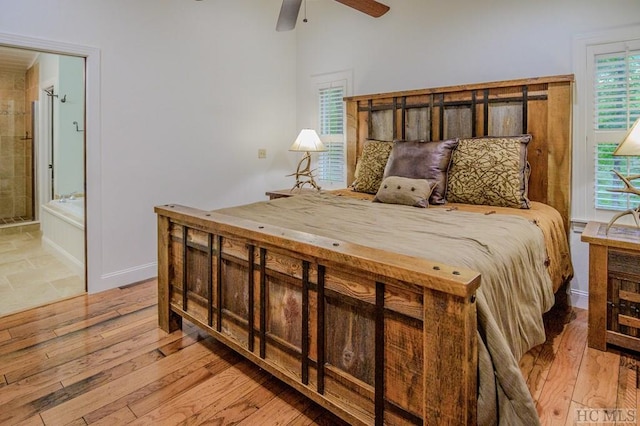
(431,43)
(189,90)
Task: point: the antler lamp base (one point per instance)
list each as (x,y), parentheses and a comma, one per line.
(304,174)
(628,189)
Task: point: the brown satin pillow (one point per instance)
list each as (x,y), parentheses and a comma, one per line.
(423,160)
(406,191)
(491,171)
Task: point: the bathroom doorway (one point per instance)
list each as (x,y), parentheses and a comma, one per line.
(42,178)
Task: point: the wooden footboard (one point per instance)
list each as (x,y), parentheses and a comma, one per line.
(374,336)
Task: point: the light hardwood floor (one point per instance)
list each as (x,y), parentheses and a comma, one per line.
(100,359)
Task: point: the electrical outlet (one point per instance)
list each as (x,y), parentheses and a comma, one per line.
(262,153)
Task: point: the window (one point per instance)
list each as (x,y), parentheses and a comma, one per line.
(607,95)
(331,163)
(616,87)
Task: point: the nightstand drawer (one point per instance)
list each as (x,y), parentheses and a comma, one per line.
(623,306)
(623,296)
(624,262)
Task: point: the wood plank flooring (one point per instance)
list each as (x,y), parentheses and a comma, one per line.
(100,359)
(572,383)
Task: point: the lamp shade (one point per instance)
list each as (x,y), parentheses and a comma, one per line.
(309,141)
(630,145)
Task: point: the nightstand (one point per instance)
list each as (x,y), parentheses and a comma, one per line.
(284,193)
(614,285)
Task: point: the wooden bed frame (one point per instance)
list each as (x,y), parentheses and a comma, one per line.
(369,334)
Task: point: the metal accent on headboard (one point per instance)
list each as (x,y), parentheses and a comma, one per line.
(485,104)
(404,117)
(441,122)
(473,113)
(395,118)
(525,103)
(370,118)
(400,103)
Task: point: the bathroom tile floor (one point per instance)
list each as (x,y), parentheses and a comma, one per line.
(30,275)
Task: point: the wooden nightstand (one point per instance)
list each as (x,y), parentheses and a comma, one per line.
(284,193)
(614,285)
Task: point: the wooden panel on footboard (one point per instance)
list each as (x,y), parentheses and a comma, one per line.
(376,337)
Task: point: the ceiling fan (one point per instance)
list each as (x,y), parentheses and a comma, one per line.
(290,8)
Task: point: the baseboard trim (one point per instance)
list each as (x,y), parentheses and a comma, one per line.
(127,276)
(579,299)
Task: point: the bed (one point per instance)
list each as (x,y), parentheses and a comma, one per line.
(358,316)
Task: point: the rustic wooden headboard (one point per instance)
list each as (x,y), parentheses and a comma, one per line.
(537,106)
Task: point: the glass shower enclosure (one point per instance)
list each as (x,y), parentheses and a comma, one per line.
(18,96)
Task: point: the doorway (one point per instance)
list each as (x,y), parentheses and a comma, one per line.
(42,220)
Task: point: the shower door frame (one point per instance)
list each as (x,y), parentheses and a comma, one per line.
(35,155)
(45,144)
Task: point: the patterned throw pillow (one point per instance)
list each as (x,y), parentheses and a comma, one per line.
(370,167)
(423,160)
(491,171)
(406,191)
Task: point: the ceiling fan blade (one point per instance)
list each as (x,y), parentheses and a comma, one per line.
(370,7)
(288,15)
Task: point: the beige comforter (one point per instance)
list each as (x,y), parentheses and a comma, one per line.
(509,251)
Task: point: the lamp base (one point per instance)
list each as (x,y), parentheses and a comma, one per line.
(304,175)
(633,212)
(627,189)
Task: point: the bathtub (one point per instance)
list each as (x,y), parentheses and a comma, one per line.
(62,224)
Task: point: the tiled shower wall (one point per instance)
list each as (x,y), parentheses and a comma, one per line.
(17,90)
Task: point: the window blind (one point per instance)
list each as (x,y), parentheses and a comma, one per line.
(606,179)
(331,163)
(616,107)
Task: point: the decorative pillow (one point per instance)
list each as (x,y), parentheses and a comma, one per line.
(406,191)
(423,160)
(490,170)
(370,167)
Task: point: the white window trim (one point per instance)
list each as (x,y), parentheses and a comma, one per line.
(583,182)
(317,81)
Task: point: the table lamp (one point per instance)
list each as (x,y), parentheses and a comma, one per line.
(307,141)
(630,146)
